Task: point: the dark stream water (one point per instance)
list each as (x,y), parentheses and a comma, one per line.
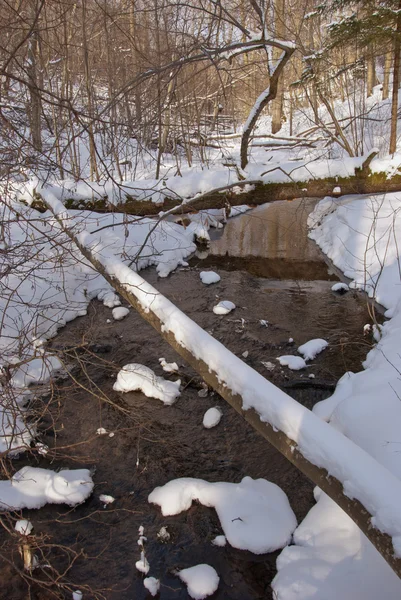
(272,272)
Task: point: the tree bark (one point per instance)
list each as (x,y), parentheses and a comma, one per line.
(396,84)
(277,103)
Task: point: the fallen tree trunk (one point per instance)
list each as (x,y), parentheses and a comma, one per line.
(363,488)
(261,193)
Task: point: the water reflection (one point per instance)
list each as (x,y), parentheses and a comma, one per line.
(270,241)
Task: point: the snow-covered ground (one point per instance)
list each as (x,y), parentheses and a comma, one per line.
(330,557)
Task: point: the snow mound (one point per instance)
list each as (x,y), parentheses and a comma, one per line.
(23,526)
(32,487)
(152,585)
(332,559)
(208,277)
(312,348)
(212,417)
(135,377)
(340,287)
(120,313)
(201,580)
(255,514)
(223,307)
(295,363)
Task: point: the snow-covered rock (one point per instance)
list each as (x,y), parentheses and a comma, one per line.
(212,417)
(106,499)
(201,580)
(219,540)
(208,277)
(152,585)
(295,363)
(311,349)
(120,313)
(32,487)
(340,288)
(223,307)
(255,514)
(135,377)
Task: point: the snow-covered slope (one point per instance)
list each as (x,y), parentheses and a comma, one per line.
(331,558)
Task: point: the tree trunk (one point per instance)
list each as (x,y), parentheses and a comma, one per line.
(386,78)
(371,74)
(396,83)
(35,109)
(263,100)
(277,103)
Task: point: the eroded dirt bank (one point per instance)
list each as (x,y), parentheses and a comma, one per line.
(153,443)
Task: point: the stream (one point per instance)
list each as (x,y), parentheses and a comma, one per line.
(274,274)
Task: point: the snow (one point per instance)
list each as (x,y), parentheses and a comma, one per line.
(212,417)
(340,287)
(295,363)
(223,307)
(119,313)
(23,526)
(135,377)
(168,367)
(142,565)
(106,499)
(255,514)
(331,558)
(31,487)
(208,277)
(311,349)
(201,580)
(152,585)
(219,540)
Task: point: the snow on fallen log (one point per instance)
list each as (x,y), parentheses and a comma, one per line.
(32,487)
(367,491)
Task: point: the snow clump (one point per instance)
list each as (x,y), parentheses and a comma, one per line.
(119,313)
(32,487)
(23,526)
(223,307)
(168,367)
(212,417)
(219,540)
(201,581)
(340,287)
(135,377)
(152,585)
(312,348)
(106,499)
(295,363)
(255,514)
(208,277)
